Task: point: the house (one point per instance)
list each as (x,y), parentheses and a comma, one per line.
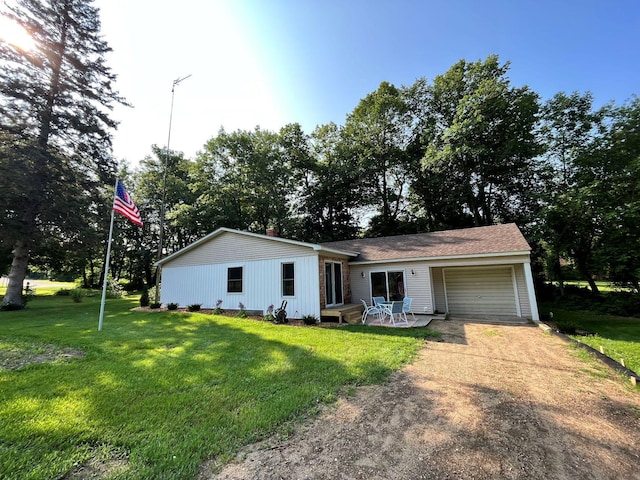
(482,271)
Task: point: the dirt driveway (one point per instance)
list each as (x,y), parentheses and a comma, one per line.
(488,401)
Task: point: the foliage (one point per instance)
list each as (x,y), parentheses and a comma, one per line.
(620,303)
(479,142)
(152,294)
(309,319)
(242,313)
(376,136)
(194,307)
(245,181)
(54,136)
(155,305)
(78,294)
(114,289)
(63,292)
(172,306)
(144,298)
(217,310)
(268,316)
(592,217)
(145,387)
(466,148)
(567,327)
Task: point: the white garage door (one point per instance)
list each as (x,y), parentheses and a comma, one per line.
(480,291)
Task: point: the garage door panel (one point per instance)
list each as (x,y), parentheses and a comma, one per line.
(486,291)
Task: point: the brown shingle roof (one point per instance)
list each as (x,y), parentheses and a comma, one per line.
(469,241)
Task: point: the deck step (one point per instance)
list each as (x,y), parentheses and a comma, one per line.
(353,317)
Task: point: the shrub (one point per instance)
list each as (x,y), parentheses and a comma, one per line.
(28,296)
(242,313)
(144,298)
(194,307)
(218,309)
(114,289)
(63,292)
(566,326)
(268,317)
(152,294)
(310,319)
(172,306)
(77,294)
(155,305)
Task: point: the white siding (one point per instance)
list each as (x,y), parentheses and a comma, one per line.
(481,291)
(417,285)
(427,286)
(523,295)
(262,285)
(235,247)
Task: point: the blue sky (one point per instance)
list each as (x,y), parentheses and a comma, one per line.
(273,62)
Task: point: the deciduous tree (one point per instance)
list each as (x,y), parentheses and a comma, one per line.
(479,139)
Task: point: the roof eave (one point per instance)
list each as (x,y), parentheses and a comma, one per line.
(443,257)
(221,230)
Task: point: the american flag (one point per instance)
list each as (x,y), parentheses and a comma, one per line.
(123,204)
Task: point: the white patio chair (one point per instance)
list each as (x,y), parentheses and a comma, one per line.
(407,306)
(371,310)
(396,313)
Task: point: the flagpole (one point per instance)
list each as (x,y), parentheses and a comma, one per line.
(106,262)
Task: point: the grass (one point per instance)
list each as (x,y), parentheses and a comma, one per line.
(603,286)
(619,336)
(156,393)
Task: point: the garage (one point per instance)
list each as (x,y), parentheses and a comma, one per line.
(481,291)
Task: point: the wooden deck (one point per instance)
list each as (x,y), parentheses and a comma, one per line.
(350,312)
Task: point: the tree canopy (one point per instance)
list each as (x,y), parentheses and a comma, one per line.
(466,148)
(55,127)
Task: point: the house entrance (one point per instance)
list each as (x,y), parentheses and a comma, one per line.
(333,283)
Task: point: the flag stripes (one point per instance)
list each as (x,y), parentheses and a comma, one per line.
(123,204)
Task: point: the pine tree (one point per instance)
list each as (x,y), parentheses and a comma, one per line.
(55,128)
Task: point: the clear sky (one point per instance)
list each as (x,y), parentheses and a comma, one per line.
(273,62)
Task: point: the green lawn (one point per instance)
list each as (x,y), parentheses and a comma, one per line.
(603,286)
(620,336)
(157,393)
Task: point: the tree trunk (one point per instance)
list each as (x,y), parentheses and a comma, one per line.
(17,273)
(593,285)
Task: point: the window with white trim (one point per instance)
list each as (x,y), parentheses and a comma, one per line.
(234,280)
(288,280)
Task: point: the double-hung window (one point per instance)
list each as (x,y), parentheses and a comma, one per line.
(288,280)
(234,280)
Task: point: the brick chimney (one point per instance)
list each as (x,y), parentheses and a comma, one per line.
(271,232)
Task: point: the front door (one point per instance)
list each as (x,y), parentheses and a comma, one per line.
(333,283)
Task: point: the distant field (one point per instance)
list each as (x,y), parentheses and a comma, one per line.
(603,286)
(43,287)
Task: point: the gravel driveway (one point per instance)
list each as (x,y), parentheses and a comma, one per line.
(488,401)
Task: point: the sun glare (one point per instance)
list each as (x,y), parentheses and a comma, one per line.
(14,34)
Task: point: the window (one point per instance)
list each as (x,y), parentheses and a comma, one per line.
(288,280)
(234,280)
(333,283)
(389,285)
